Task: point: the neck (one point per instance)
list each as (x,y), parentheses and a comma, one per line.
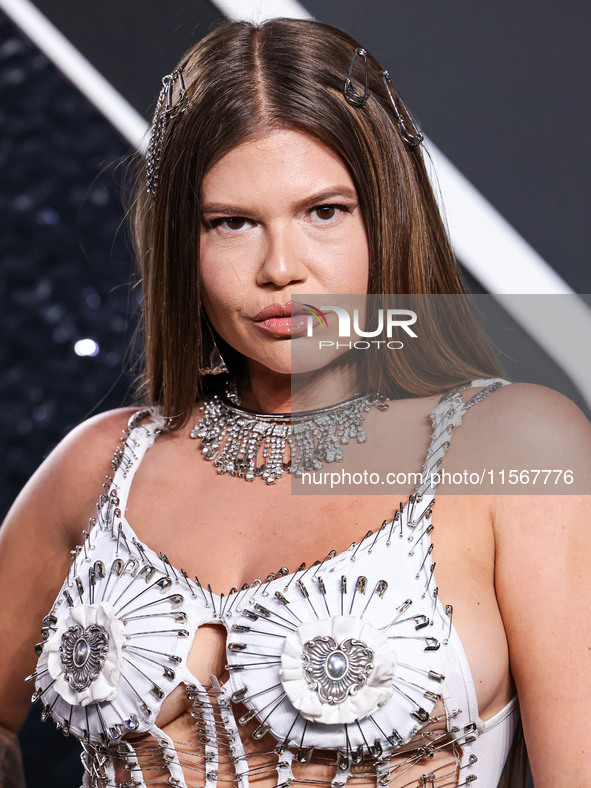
(266,391)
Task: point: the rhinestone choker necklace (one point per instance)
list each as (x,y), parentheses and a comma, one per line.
(232,436)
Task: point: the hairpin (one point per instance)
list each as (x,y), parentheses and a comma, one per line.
(408,128)
(354,98)
(162,115)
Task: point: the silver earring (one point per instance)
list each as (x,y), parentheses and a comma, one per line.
(211,363)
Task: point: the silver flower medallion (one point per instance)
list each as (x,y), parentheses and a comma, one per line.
(335,671)
(83,652)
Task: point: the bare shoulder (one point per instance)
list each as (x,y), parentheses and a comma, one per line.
(65,487)
(90,445)
(527,427)
(528,404)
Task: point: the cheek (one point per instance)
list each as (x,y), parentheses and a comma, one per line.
(220,306)
(359,269)
(349,264)
(221,287)
(360,261)
(223,294)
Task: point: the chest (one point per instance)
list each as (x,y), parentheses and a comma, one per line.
(228,533)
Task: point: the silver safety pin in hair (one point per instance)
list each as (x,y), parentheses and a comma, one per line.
(352,96)
(408,128)
(168,81)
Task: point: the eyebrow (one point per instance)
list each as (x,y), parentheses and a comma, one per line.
(320,197)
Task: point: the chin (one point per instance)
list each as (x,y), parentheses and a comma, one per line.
(300,363)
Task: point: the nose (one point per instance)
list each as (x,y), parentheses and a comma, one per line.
(282,261)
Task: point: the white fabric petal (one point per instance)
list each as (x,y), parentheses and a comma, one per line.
(364,698)
(104,686)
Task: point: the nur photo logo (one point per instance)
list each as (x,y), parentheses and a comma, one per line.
(349,326)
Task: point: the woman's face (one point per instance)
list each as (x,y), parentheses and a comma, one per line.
(281,218)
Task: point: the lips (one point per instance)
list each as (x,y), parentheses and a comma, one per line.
(285,320)
(289,309)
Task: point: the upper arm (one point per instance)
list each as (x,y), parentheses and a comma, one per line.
(43,525)
(542,582)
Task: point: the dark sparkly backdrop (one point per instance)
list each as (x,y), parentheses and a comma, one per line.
(65,267)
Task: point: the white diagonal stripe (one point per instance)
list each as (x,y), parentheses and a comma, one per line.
(488,245)
(130,124)
(261,10)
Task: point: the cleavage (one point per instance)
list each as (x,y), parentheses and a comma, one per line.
(206,658)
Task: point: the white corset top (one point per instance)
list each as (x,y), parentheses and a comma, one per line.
(353,656)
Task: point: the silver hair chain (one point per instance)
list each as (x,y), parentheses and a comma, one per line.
(165,110)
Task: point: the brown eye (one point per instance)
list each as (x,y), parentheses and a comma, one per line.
(230,223)
(326,212)
(235,222)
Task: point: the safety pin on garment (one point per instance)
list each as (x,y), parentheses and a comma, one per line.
(285,602)
(398,515)
(399,610)
(360,585)
(432,674)
(156,691)
(449,611)
(163,584)
(231,593)
(330,555)
(301,568)
(373,544)
(316,563)
(379,590)
(269,615)
(306,594)
(424,594)
(322,588)
(200,587)
(413,499)
(367,535)
(141,551)
(215,612)
(186,579)
(427,554)
(171,657)
(256,584)
(86,544)
(426,532)
(268,579)
(166,563)
(343,588)
(244,587)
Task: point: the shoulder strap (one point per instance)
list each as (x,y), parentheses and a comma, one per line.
(446,417)
(137,439)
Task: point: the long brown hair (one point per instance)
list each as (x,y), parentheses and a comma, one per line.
(242,80)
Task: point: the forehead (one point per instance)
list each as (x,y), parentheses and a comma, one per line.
(279,161)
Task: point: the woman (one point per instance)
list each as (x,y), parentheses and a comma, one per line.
(282,163)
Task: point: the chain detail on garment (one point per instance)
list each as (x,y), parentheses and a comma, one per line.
(352,661)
